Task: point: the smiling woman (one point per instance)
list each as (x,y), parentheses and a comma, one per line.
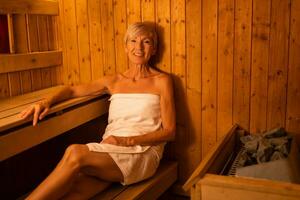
(141,120)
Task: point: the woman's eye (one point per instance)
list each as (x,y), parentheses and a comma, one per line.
(147,41)
(132,40)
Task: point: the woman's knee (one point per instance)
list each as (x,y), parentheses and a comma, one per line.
(75,155)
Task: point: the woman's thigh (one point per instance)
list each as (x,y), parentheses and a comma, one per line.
(98,164)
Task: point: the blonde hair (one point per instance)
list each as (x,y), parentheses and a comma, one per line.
(141,28)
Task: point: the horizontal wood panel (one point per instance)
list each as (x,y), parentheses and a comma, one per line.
(26,61)
(11,107)
(46,7)
(25,138)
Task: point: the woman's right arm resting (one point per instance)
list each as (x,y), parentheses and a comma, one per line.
(41,109)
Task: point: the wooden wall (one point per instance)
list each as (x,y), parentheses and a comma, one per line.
(29,33)
(232,61)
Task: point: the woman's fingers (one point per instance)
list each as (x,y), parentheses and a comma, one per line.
(37,109)
(27,112)
(44,113)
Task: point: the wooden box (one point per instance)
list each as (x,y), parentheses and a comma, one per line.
(208,183)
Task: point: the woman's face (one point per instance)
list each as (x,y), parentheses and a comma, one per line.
(140,48)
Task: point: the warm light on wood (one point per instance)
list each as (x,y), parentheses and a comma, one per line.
(46,7)
(26,61)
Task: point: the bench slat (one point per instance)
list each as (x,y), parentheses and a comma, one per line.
(149,189)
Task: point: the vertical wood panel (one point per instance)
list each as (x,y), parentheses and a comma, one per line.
(163,54)
(178,55)
(109,59)
(225,66)
(120,30)
(71,45)
(193,39)
(293,95)
(280,14)
(95,39)
(61,41)
(43,46)
(178,69)
(36,76)
(53,45)
(209,75)
(194,146)
(133,11)
(20,46)
(83,41)
(259,65)
(242,58)
(4,87)
(148,10)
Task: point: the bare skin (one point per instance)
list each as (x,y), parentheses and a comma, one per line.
(81,174)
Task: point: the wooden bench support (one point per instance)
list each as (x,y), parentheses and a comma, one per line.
(149,189)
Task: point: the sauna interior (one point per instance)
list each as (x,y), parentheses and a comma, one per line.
(231,62)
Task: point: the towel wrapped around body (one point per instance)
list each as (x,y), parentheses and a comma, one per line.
(133,114)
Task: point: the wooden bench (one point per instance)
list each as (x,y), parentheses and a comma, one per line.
(17,135)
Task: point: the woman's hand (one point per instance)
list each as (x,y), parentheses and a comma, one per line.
(38,110)
(120,141)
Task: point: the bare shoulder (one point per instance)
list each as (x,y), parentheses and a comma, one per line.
(164,82)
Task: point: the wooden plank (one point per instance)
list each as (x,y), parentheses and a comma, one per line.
(163,28)
(148,10)
(259,65)
(25,61)
(53,45)
(293,92)
(36,77)
(242,49)
(20,46)
(83,41)
(133,11)
(154,187)
(193,40)
(25,81)
(10,118)
(11,33)
(22,139)
(71,66)
(42,23)
(110,193)
(4,86)
(25,76)
(209,159)
(96,49)
(108,41)
(46,7)
(178,56)
(61,43)
(225,66)
(194,133)
(209,75)
(264,187)
(12,102)
(120,30)
(280,13)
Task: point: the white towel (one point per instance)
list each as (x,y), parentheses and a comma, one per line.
(130,114)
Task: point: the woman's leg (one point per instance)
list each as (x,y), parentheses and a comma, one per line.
(85,187)
(76,160)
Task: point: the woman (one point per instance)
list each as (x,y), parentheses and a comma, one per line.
(141,120)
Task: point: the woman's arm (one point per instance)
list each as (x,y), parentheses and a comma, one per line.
(167,133)
(41,109)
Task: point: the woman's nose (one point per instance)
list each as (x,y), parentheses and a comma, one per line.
(139,45)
